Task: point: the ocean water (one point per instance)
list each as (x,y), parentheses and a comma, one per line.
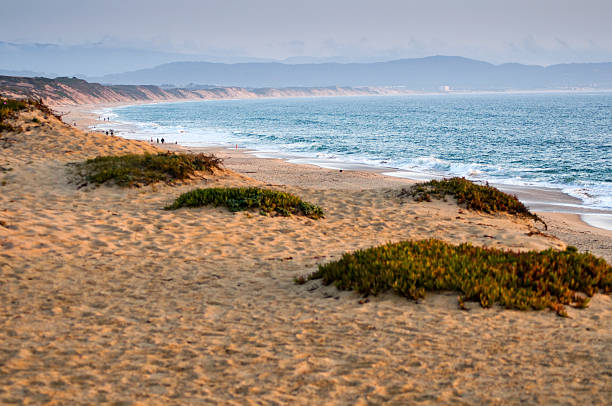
(558,140)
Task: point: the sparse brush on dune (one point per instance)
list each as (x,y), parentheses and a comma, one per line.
(514,280)
(144,169)
(9,108)
(237,199)
(475,197)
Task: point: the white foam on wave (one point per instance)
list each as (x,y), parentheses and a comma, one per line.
(598,220)
(598,196)
(440,167)
(106,112)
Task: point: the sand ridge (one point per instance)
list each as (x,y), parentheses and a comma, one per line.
(106,297)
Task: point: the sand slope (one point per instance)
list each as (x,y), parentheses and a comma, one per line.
(105,297)
(72,91)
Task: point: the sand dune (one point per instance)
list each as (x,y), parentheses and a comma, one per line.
(106,297)
(73,91)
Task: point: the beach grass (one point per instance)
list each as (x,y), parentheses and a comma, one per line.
(482,198)
(238,199)
(9,108)
(515,280)
(144,169)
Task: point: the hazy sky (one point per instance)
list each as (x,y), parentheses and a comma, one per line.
(528,31)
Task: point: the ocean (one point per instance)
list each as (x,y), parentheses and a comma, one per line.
(550,140)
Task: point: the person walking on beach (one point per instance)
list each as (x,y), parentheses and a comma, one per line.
(162,140)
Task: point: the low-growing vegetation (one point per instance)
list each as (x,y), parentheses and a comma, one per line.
(237,199)
(475,197)
(525,280)
(144,169)
(10,107)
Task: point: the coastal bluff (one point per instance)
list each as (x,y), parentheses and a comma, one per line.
(73,91)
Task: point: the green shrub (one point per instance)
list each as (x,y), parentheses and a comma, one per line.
(237,199)
(10,107)
(143,169)
(526,280)
(475,197)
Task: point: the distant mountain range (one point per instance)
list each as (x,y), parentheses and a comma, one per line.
(99,62)
(422,74)
(26,73)
(88,60)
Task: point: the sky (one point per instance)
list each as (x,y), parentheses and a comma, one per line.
(534,32)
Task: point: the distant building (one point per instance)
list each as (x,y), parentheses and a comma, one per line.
(445,88)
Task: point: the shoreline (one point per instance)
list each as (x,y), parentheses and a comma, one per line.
(555,200)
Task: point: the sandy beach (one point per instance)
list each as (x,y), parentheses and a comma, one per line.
(107,298)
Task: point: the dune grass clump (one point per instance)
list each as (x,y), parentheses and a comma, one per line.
(144,169)
(8,109)
(475,197)
(514,280)
(238,199)
(8,106)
